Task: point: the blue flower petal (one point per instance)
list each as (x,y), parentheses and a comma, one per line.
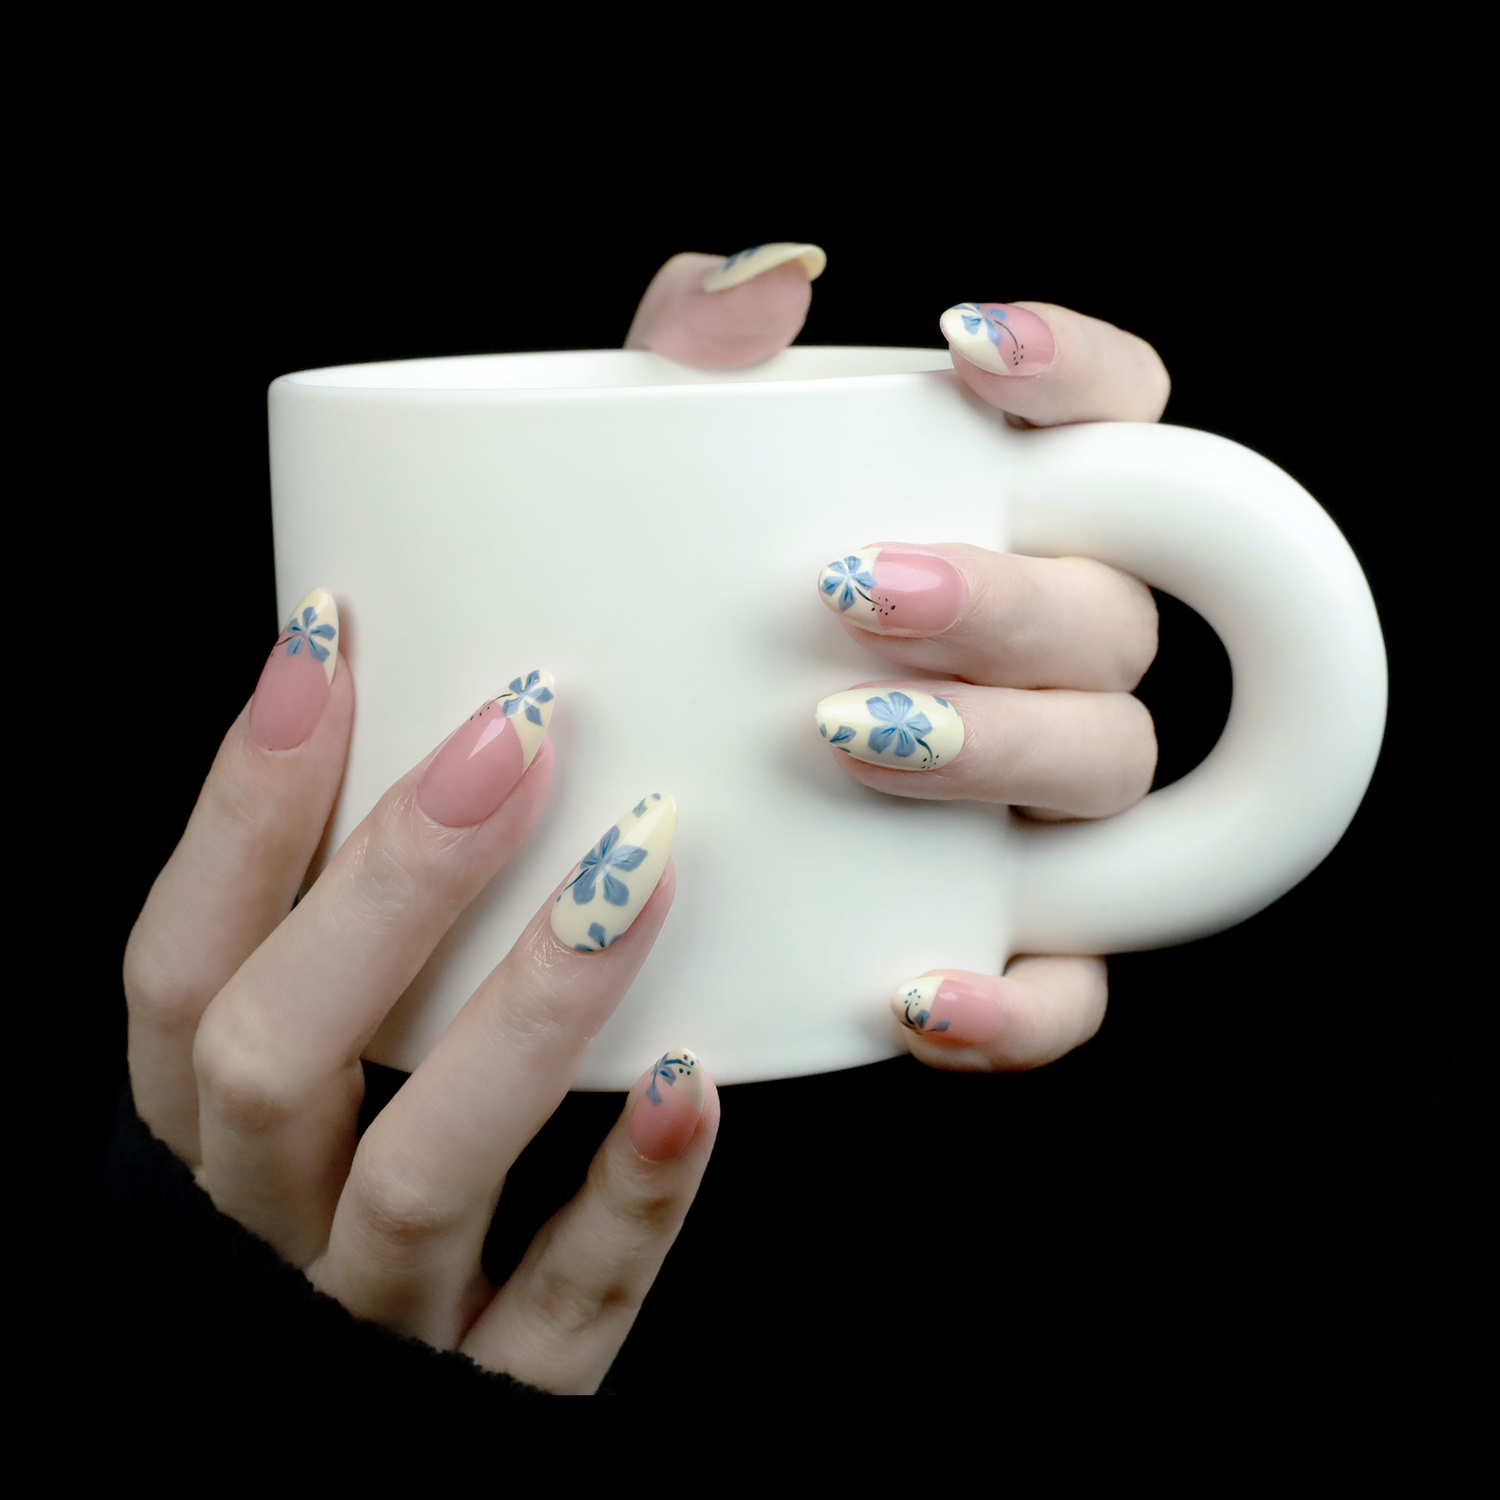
(509,707)
(294,646)
(326,631)
(583,887)
(627,857)
(882,710)
(532,713)
(842,733)
(516,685)
(919,724)
(597,933)
(320,653)
(544,696)
(616,892)
(880,738)
(308,616)
(608,842)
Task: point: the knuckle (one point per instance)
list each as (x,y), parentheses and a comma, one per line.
(247,1091)
(156,989)
(397,1212)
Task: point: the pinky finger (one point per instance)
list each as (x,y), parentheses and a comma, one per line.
(561,1319)
(975,1023)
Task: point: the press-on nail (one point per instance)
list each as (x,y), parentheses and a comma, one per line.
(614,880)
(999,337)
(951,1010)
(294,682)
(666,1111)
(482,760)
(907,731)
(758,259)
(894,591)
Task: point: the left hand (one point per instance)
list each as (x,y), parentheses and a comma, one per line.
(1040,655)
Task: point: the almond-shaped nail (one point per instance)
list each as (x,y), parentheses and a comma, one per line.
(483,759)
(294,682)
(614,880)
(894,591)
(999,337)
(907,731)
(666,1111)
(949,1010)
(758,259)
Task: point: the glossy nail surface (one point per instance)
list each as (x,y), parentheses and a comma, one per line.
(666,1111)
(999,337)
(950,1010)
(294,682)
(894,591)
(758,259)
(614,880)
(482,760)
(908,731)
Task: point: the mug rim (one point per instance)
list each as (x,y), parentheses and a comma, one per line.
(579,372)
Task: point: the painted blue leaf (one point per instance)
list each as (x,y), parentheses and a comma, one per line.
(639,810)
(943,701)
(942,1025)
(628,857)
(922,1018)
(823,730)
(616,892)
(532,713)
(842,733)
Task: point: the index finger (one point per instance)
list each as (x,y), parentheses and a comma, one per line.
(1048,365)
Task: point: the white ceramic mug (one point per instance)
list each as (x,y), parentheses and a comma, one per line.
(651,535)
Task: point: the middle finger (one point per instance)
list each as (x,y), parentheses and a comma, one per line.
(277,1053)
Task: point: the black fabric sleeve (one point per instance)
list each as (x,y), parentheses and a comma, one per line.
(188,1298)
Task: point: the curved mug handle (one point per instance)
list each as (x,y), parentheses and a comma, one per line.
(1246,546)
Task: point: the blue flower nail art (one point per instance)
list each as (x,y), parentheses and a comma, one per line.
(669,1068)
(599,866)
(847,580)
(528,695)
(597,940)
(898,722)
(302,633)
(991,319)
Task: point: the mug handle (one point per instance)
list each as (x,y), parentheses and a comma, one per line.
(1246,546)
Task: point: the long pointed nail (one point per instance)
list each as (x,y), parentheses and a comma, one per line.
(906,731)
(894,591)
(483,759)
(999,337)
(758,259)
(950,1010)
(295,680)
(666,1112)
(614,880)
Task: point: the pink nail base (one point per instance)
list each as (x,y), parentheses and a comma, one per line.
(661,1128)
(963,1014)
(474,772)
(288,699)
(916,593)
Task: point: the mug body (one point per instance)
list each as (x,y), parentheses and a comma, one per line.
(651,535)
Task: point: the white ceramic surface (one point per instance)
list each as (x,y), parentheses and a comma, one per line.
(653,534)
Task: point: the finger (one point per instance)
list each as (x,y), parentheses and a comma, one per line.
(561,1319)
(277,1052)
(240,862)
(722,314)
(975,1023)
(1046,364)
(404,1250)
(1023,622)
(1081,755)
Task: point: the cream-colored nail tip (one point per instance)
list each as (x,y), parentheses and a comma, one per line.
(845,584)
(527,702)
(314,628)
(912,1003)
(967,330)
(759,259)
(905,730)
(614,880)
(681,1071)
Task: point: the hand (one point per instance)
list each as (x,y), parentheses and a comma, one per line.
(248,1018)
(1039,655)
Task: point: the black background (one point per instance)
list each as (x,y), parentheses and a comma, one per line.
(1270,1148)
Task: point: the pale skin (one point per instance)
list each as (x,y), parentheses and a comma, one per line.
(248,1017)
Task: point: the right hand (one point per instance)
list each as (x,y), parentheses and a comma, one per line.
(1038,656)
(248,1018)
